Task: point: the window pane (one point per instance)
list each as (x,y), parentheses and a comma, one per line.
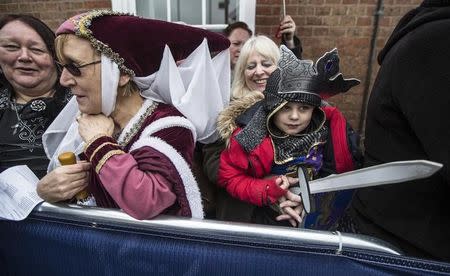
(233,11)
(156,9)
(215,11)
(221,11)
(189,12)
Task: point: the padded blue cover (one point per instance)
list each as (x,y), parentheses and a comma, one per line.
(39,247)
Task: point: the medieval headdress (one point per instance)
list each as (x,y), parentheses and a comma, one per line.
(147,49)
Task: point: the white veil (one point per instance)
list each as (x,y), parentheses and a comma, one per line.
(199,88)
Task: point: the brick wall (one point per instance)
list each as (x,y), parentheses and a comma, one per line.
(52,12)
(345,24)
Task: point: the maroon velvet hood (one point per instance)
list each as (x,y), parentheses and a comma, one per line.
(137,44)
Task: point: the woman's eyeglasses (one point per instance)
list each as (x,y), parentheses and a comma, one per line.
(75,69)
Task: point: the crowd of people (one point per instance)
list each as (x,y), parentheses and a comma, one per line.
(160,130)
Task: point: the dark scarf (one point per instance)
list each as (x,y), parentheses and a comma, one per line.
(285,148)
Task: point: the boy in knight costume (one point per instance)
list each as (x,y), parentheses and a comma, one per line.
(288,128)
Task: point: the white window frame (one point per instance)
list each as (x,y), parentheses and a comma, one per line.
(247,9)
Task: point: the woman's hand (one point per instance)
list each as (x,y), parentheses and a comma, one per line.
(287,29)
(90,126)
(64,182)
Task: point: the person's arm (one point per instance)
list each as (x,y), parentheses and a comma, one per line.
(142,181)
(141,193)
(288,37)
(233,176)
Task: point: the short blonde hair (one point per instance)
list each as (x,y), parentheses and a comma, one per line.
(60,40)
(63,39)
(263,46)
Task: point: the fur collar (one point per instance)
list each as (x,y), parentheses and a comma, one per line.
(226,122)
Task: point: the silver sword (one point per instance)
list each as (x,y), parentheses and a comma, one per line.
(387,173)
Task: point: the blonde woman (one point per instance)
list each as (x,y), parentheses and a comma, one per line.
(257,61)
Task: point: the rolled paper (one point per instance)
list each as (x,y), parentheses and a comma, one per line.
(68,158)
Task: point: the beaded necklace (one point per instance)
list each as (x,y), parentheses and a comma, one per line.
(19,121)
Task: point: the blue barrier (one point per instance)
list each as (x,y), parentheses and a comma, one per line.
(69,240)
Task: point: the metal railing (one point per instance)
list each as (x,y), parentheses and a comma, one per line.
(212,230)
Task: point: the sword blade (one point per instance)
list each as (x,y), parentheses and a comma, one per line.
(388,173)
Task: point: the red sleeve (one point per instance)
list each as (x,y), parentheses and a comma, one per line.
(338,127)
(235,178)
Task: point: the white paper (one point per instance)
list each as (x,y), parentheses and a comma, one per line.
(18,194)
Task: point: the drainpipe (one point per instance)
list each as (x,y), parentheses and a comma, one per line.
(377,15)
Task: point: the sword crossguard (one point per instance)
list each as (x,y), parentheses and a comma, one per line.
(303,189)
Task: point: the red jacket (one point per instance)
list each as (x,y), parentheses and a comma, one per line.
(243,174)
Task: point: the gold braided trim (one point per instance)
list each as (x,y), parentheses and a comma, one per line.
(101,146)
(82,29)
(105,158)
(95,137)
(137,126)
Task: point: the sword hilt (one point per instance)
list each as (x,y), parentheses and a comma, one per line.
(303,189)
